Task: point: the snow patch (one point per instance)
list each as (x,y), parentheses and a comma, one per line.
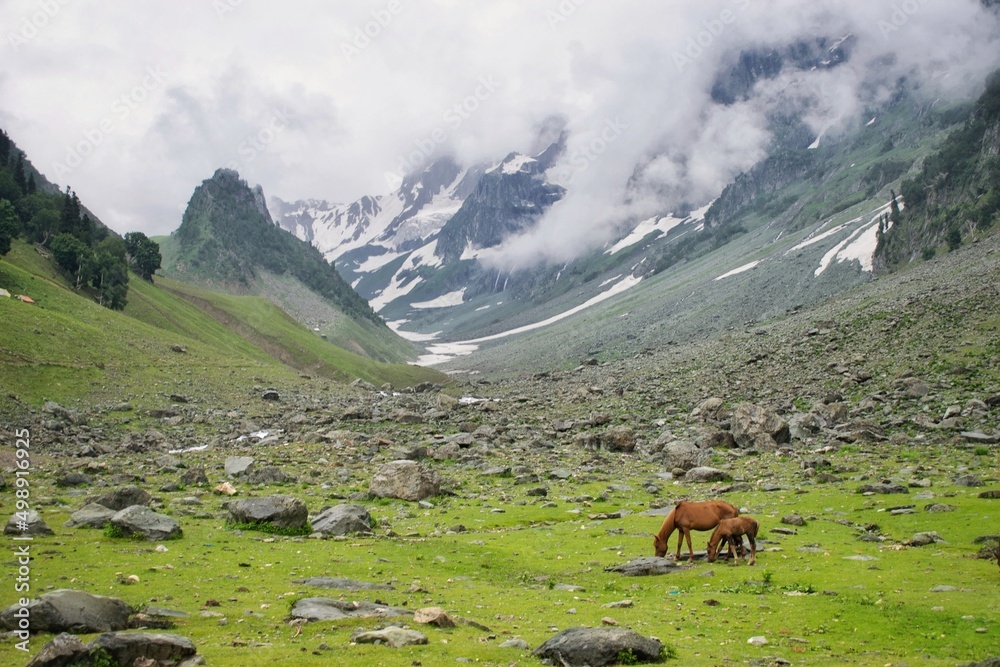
(412,336)
(737,271)
(395,290)
(447,351)
(444,301)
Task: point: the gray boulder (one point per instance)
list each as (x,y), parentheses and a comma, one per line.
(343,520)
(754,427)
(269,475)
(392,636)
(328,609)
(65,649)
(140,520)
(647,566)
(343,584)
(406,480)
(67,610)
(280,511)
(682,455)
(883,488)
(194,477)
(805,426)
(28,523)
(91,515)
(711,409)
(618,439)
(597,647)
(238,465)
(707,474)
(128,648)
(924,539)
(119,499)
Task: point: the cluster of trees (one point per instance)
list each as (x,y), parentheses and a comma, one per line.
(93,257)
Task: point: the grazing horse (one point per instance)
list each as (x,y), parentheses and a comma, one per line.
(732,530)
(687,516)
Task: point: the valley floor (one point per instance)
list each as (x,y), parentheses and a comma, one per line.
(551,477)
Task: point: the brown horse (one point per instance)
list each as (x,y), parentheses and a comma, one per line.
(687,516)
(732,530)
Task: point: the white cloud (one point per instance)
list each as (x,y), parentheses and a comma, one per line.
(354,108)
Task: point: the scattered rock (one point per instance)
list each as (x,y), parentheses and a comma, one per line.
(91,515)
(433,616)
(598,647)
(194,477)
(280,511)
(343,520)
(706,474)
(75,479)
(406,480)
(343,584)
(66,610)
(754,427)
(923,539)
(328,609)
(644,567)
(793,520)
(968,480)
(127,496)
(27,523)
(140,520)
(682,455)
(127,648)
(392,636)
(239,465)
(883,488)
(65,649)
(269,475)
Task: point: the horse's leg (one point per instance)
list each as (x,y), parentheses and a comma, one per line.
(680,541)
(733,556)
(753,550)
(690,548)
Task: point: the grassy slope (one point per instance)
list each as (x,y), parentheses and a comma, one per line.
(68,347)
(820,596)
(295,298)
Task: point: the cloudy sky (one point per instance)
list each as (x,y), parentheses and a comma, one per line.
(135,103)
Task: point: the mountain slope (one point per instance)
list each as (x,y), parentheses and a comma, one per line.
(956,194)
(66,347)
(227,241)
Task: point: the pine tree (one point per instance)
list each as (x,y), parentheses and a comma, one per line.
(8,226)
(32,188)
(4,148)
(894,216)
(19,177)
